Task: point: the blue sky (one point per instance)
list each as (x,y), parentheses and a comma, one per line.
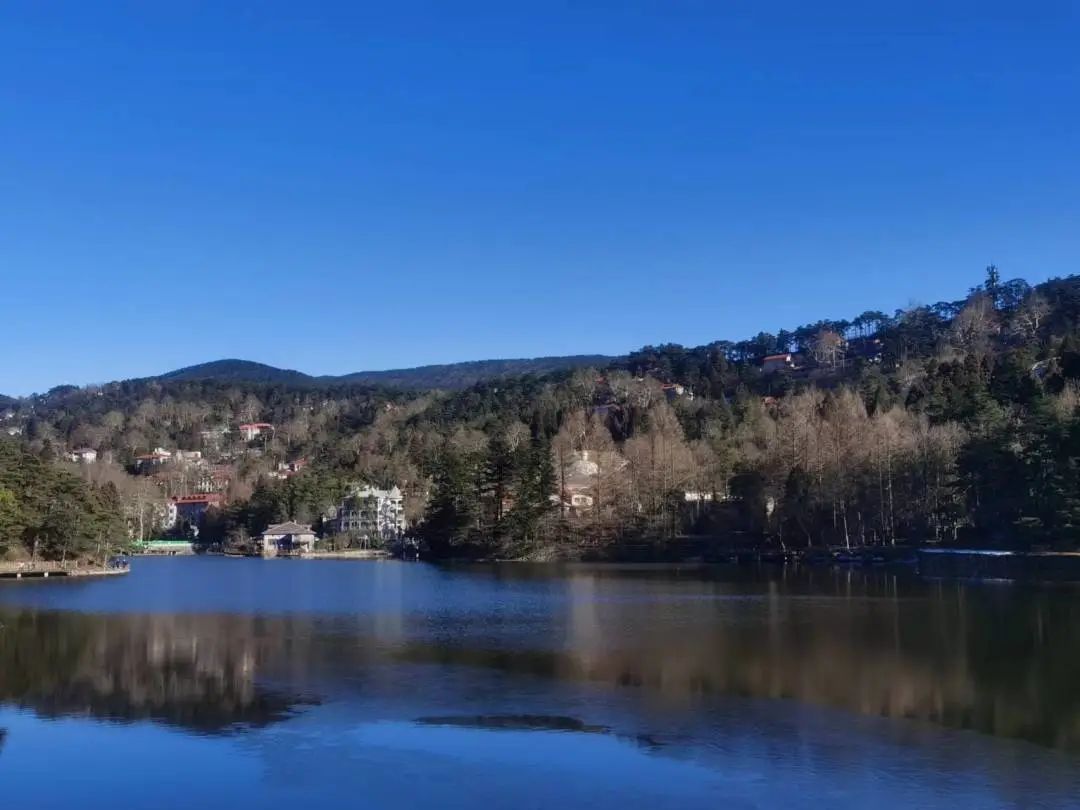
(343,186)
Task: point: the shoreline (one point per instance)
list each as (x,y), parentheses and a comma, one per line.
(21,571)
(930,563)
(354,554)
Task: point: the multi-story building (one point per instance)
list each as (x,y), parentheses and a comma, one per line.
(375,514)
(190,508)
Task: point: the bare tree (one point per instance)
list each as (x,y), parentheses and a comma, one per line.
(1029,316)
(972,327)
(828,348)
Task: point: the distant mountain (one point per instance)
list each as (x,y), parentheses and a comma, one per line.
(238,371)
(449,375)
(462,375)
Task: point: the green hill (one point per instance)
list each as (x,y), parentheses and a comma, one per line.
(449,376)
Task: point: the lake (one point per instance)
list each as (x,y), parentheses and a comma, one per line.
(213,682)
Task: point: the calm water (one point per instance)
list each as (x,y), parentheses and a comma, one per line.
(242,683)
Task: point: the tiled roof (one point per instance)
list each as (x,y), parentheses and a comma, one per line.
(288,528)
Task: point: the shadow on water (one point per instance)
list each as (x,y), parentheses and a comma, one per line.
(516,722)
(538,722)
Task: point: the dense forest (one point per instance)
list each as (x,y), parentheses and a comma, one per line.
(955,422)
(49,513)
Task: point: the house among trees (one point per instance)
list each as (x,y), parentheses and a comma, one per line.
(213,478)
(580,477)
(84,455)
(253,430)
(188,457)
(214,436)
(698,496)
(158,457)
(287,469)
(285,539)
(777,362)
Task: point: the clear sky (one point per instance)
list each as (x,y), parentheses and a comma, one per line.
(340,186)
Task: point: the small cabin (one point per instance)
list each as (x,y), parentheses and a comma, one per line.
(286,539)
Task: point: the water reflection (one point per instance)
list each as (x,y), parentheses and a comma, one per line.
(999,660)
(194,672)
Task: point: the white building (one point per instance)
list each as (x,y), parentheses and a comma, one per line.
(698,496)
(254,429)
(158,457)
(371,513)
(84,455)
(287,538)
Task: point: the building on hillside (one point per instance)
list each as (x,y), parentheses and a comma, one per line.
(213,437)
(284,539)
(777,362)
(574,500)
(168,520)
(579,479)
(190,508)
(149,517)
(212,478)
(188,457)
(14,430)
(158,457)
(287,469)
(698,496)
(84,455)
(375,514)
(253,430)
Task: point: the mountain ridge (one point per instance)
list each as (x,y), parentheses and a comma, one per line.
(440,375)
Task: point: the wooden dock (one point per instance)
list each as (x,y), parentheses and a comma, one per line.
(51,570)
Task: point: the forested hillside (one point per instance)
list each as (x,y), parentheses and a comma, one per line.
(952,422)
(448,376)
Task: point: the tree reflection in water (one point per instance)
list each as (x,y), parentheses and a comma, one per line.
(197,672)
(999,660)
